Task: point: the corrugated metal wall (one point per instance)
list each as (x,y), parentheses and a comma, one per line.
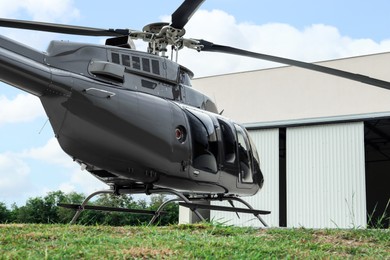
(326,176)
(267,144)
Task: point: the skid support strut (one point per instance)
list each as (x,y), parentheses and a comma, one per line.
(83,206)
(249,209)
(256,214)
(180,197)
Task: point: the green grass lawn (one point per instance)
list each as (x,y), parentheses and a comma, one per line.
(203,241)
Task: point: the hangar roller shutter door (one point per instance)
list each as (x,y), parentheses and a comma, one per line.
(267,144)
(326,176)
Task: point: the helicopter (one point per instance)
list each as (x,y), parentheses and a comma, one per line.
(132,119)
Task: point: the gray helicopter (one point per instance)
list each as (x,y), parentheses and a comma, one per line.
(132,119)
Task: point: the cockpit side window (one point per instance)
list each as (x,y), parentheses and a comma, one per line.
(184,78)
(204,141)
(229,146)
(245,156)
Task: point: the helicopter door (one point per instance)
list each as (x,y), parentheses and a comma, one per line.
(204,146)
(244,156)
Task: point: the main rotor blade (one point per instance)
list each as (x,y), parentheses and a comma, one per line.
(61,28)
(211,47)
(184,13)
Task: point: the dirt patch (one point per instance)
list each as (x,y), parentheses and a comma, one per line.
(146,253)
(36,236)
(12,225)
(339,239)
(264,235)
(126,231)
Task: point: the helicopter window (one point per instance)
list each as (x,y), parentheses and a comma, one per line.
(146,64)
(256,159)
(126,60)
(185,79)
(115,57)
(229,147)
(244,156)
(204,141)
(136,62)
(156,67)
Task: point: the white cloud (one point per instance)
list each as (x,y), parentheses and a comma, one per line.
(23,108)
(67,187)
(85,182)
(314,43)
(41,10)
(55,11)
(17,174)
(14,176)
(81,182)
(50,153)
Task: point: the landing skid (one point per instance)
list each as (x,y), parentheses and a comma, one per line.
(181,198)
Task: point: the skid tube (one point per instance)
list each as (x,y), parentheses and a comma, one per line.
(180,197)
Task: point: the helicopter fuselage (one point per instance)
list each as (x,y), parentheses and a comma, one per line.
(132,118)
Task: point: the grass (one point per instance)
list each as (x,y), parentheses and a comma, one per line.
(200,241)
(381,220)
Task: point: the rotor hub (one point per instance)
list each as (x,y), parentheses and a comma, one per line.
(160,35)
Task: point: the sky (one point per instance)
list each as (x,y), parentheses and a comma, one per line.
(31,161)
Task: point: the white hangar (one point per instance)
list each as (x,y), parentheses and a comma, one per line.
(323,141)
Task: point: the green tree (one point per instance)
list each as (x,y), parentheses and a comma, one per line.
(33,212)
(45,210)
(5,213)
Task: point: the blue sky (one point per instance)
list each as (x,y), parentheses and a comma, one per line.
(31,162)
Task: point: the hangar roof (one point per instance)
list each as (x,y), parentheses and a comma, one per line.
(290,94)
(319,120)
